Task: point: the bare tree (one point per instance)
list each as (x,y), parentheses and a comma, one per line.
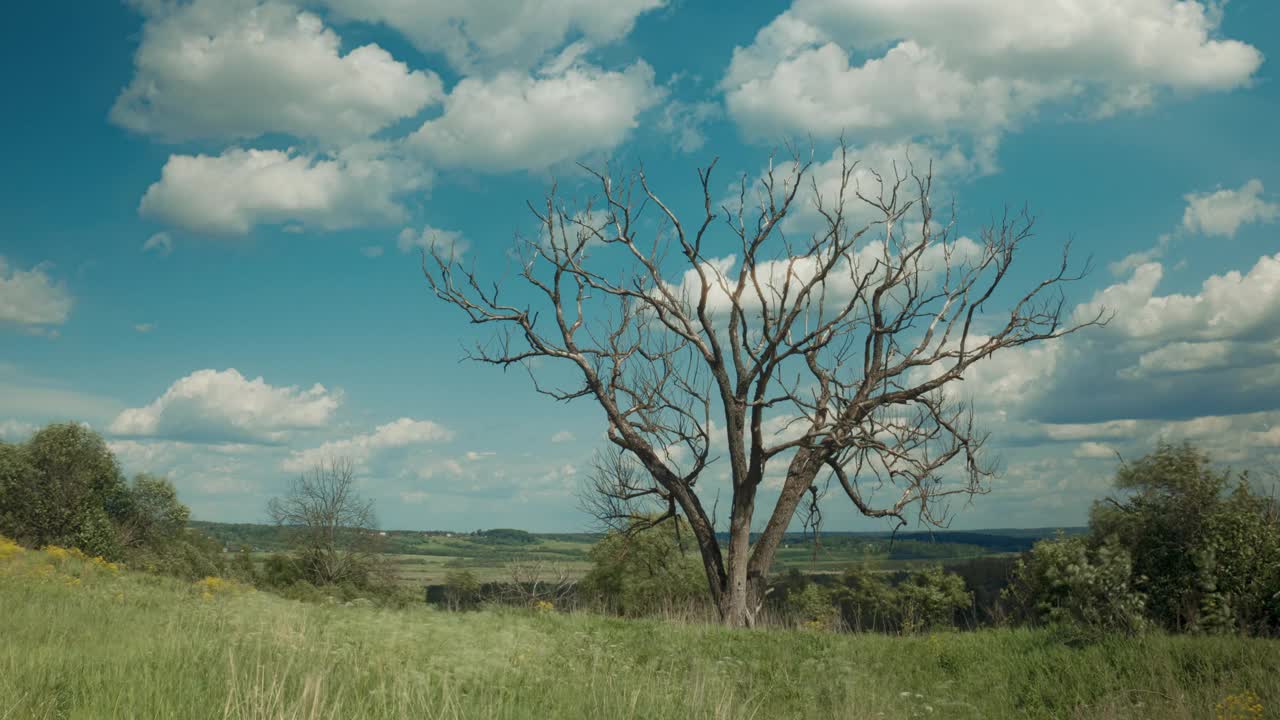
(333,526)
(532,581)
(825,356)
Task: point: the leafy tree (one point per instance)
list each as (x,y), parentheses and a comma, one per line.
(1205,547)
(63,487)
(155,516)
(644,571)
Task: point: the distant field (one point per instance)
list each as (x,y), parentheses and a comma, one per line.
(84,642)
(425,558)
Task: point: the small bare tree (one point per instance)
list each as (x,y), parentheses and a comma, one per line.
(333,528)
(825,355)
(533,581)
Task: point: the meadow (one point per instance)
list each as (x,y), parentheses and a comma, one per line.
(87,639)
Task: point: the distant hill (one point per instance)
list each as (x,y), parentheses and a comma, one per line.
(266,538)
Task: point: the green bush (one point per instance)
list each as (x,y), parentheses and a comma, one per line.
(923,600)
(645,572)
(461,590)
(866,601)
(63,487)
(190,556)
(1205,547)
(1067,582)
(930,599)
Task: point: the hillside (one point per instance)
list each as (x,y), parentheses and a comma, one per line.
(85,640)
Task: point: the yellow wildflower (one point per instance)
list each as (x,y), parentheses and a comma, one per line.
(8,548)
(1241,706)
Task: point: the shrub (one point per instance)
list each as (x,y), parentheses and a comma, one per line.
(1066,582)
(930,599)
(461,590)
(812,607)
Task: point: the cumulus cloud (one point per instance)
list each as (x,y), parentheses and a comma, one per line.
(449,243)
(1222,212)
(161,243)
(212,406)
(517,121)
(405,432)
(563,436)
(30,299)
(1228,306)
(144,328)
(496,34)
(232,192)
(976,68)
(235,69)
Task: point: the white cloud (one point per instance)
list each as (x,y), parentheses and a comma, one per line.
(1183,357)
(433,239)
(499,33)
(236,69)
(160,242)
(232,192)
(405,432)
(30,298)
(1227,306)
(684,122)
(1095,450)
(15,431)
(1110,429)
(515,121)
(974,67)
(212,405)
(1134,260)
(1222,212)
(563,436)
(144,327)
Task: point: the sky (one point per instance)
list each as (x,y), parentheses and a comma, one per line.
(212,213)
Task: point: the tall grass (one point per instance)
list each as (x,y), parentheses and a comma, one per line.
(116,644)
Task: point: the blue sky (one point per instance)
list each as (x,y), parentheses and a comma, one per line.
(212,211)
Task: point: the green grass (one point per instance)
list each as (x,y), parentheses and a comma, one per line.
(125,645)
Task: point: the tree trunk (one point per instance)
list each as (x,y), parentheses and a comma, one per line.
(742,596)
(801,473)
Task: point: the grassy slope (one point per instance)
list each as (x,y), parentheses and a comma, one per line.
(83,641)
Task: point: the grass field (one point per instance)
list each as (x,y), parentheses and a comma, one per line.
(82,640)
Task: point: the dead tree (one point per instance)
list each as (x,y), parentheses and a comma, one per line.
(333,529)
(825,357)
